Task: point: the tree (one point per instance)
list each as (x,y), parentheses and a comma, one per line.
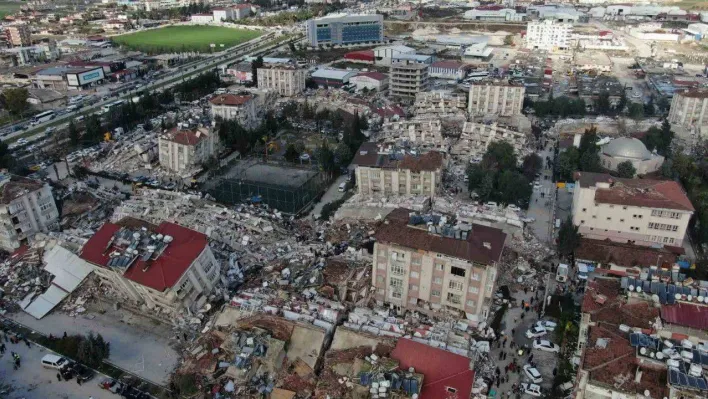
(15,100)
(509,40)
(590,162)
(257,63)
(74,136)
(291,153)
(636,111)
(92,350)
(649,107)
(622,103)
(343,154)
(588,141)
(626,169)
(325,158)
(602,104)
(568,237)
(568,162)
(513,188)
(663,104)
(531,165)
(499,156)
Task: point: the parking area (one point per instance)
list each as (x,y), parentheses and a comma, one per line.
(32,380)
(137,346)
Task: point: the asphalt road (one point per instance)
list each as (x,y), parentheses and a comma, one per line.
(540,207)
(34,381)
(185,71)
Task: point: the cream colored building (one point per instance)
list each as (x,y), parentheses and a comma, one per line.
(183,149)
(408,79)
(236,107)
(422,133)
(18,35)
(440,103)
(422,267)
(382,174)
(639,211)
(548,35)
(490,98)
(166,266)
(689,109)
(476,138)
(286,80)
(26,207)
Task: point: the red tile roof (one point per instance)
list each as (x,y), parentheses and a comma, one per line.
(441,369)
(368,155)
(666,194)
(687,315)
(163,272)
(606,306)
(396,230)
(185,137)
(628,255)
(231,99)
(363,55)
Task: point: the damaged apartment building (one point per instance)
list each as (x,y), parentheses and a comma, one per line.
(27,207)
(440,104)
(386,171)
(426,263)
(476,138)
(165,267)
(425,134)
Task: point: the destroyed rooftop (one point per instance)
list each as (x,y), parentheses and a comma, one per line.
(150,255)
(369,155)
(186,136)
(665,194)
(606,306)
(231,99)
(482,244)
(13,186)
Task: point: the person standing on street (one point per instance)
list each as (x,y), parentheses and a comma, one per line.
(58,376)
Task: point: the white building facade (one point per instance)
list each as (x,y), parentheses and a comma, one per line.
(183,149)
(236,107)
(548,35)
(27,207)
(491,98)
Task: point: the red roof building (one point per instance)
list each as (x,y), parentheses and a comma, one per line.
(686,315)
(445,374)
(361,56)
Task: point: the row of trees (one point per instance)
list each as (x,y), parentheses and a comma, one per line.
(497,178)
(586,158)
(566,107)
(90,349)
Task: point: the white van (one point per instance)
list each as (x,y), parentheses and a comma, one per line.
(343,187)
(54,362)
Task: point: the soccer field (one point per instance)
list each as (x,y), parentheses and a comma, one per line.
(185,38)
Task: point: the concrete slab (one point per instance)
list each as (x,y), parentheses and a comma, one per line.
(345,339)
(306,343)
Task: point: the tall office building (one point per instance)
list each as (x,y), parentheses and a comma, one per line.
(548,35)
(345,29)
(408,79)
(492,98)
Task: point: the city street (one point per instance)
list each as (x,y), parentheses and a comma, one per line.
(34,381)
(133,347)
(541,207)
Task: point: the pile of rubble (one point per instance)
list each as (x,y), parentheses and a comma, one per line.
(22,277)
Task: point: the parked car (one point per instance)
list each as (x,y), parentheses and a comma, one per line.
(54,361)
(107,383)
(535,332)
(531,389)
(533,374)
(82,372)
(545,345)
(547,324)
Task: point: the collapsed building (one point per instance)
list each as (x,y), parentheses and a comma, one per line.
(439,104)
(423,134)
(476,138)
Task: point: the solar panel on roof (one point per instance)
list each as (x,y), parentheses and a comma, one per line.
(702,384)
(634,339)
(414,386)
(673,377)
(683,378)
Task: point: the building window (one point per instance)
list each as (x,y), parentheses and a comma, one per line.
(470,303)
(412,287)
(415,275)
(415,260)
(398,256)
(398,270)
(379,279)
(439,267)
(455,299)
(435,293)
(396,288)
(458,271)
(473,290)
(475,276)
(455,285)
(437,280)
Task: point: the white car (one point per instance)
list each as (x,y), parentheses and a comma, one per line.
(548,325)
(533,374)
(305,157)
(531,389)
(545,345)
(535,332)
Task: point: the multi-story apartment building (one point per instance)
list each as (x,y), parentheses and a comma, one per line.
(345,29)
(689,109)
(408,79)
(236,107)
(420,265)
(476,137)
(165,266)
(638,211)
(422,133)
(381,172)
(440,103)
(26,207)
(18,35)
(495,98)
(182,149)
(285,79)
(548,35)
